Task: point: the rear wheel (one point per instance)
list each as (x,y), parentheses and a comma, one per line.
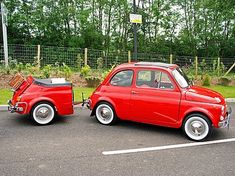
(197,127)
(43,113)
(105,114)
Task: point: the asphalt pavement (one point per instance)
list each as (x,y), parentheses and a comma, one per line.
(73,145)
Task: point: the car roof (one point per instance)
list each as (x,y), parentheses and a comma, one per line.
(148,65)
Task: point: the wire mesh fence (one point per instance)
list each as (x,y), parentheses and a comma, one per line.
(78,57)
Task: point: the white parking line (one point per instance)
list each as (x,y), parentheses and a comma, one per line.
(116,152)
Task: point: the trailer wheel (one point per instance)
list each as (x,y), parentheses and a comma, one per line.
(43,113)
(105,114)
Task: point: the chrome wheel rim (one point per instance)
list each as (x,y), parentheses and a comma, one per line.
(104,114)
(196,128)
(43,114)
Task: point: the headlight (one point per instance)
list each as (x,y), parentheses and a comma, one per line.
(222,109)
(221,118)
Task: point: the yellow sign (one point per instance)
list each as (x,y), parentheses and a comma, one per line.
(135,18)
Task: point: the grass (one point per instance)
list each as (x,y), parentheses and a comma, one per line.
(5,94)
(226,91)
(86,92)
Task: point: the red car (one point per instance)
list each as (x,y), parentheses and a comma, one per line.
(41,98)
(159,94)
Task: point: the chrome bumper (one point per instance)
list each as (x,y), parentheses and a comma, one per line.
(13,108)
(226,121)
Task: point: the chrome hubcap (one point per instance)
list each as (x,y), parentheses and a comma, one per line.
(197,128)
(105,113)
(43,112)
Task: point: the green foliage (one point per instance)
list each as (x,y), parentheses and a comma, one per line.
(105,73)
(224,81)
(85,71)
(46,71)
(79,61)
(206,80)
(218,69)
(66,70)
(92,81)
(103,24)
(100,63)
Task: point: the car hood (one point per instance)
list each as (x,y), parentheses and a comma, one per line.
(201,94)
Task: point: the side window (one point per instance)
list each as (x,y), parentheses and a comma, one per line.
(122,78)
(153,79)
(165,82)
(148,78)
(143,78)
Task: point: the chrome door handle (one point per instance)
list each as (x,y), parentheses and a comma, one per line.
(134,92)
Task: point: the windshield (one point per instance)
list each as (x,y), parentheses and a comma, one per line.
(181,78)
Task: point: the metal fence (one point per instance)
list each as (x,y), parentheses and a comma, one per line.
(77,57)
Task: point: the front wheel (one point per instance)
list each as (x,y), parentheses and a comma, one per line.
(197,127)
(105,114)
(43,113)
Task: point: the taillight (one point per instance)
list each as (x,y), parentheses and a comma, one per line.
(18,99)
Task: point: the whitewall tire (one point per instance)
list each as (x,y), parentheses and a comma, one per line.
(43,113)
(197,127)
(105,114)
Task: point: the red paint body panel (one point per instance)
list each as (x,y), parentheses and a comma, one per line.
(30,93)
(163,107)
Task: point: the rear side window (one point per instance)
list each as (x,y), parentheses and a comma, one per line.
(154,79)
(122,78)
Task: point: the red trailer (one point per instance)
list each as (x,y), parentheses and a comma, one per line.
(41,98)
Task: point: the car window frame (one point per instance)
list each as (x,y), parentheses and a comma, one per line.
(118,71)
(155,88)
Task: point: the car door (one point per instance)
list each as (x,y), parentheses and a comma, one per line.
(118,91)
(155,98)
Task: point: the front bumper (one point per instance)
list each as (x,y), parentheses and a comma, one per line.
(226,121)
(19,107)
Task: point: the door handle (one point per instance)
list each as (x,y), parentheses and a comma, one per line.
(134,92)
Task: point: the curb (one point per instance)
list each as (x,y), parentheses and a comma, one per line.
(5,107)
(230,100)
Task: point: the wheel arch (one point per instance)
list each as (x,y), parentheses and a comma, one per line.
(42,101)
(196,112)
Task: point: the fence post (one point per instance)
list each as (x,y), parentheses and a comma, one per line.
(38,56)
(129,56)
(196,67)
(85,58)
(229,69)
(218,66)
(171,58)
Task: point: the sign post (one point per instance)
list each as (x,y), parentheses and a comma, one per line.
(135,18)
(4,32)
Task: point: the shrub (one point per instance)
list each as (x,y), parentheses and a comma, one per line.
(79,61)
(206,80)
(92,81)
(100,63)
(85,70)
(66,70)
(105,73)
(46,71)
(224,81)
